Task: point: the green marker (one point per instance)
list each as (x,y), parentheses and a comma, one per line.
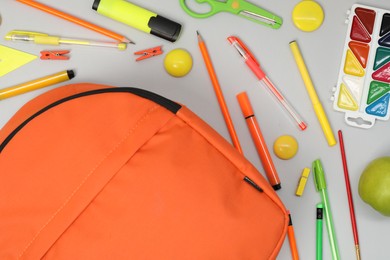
(320,183)
(319,215)
(138,18)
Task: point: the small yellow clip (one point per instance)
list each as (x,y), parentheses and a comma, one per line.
(302,182)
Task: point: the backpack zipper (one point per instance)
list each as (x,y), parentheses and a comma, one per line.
(251,182)
(168,104)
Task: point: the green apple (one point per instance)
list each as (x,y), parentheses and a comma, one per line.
(374,185)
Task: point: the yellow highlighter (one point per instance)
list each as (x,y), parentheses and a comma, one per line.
(42,38)
(36,84)
(319,110)
(139,18)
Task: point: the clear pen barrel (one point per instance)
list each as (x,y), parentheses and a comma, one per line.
(21,37)
(120,46)
(266,83)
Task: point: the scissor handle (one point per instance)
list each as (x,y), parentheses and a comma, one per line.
(241,8)
(216,7)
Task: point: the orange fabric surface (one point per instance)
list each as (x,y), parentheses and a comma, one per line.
(116,176)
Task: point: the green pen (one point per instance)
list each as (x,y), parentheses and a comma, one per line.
(319,215)
(320,183)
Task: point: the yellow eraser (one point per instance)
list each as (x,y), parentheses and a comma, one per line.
(302,182)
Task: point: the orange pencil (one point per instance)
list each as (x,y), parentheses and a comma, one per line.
(258,139)
(218,92)
(291,239)
(75,20)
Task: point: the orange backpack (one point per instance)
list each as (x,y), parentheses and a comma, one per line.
(98,172)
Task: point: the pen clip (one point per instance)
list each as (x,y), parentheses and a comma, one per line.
(236,40)
(12,34)
(319,177)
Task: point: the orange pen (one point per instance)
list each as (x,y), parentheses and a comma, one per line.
(218,92)
(75,20)
(291,239)
(258,139)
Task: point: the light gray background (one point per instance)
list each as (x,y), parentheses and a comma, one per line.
(322,51)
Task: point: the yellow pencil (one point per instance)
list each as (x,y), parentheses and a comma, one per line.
(319,110)
(36,84)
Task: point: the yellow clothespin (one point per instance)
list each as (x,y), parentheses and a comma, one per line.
(302,182)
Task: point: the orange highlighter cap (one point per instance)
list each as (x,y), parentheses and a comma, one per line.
(245,105)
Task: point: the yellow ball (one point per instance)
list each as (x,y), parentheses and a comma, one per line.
(178,62)
(285,147)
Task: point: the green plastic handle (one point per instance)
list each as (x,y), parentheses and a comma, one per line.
(216,7)
(241,8)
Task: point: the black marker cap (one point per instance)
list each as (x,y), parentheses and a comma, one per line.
(164,28)
(70,74)
(277,186)
(95,5)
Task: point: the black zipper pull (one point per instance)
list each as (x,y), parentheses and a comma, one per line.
(257,187)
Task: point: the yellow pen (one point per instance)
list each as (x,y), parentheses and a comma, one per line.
(42,38)
(36,84)
(319,110)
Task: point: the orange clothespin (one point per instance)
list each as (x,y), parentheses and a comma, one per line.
(149,53)
(54,55)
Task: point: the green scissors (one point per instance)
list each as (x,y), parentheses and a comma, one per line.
(241,8)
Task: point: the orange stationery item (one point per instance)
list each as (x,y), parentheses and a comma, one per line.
(259,141)
(99,172)
(291,239)
(218,93)
(75,20)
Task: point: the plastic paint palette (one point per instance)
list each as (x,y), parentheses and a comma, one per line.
(363,87)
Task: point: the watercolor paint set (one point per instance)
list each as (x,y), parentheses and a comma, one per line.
(363,86)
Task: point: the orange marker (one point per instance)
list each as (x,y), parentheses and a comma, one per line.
(258,139)
(291,239)
(218,92)
(75,20)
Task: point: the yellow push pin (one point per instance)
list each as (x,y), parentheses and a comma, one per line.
(308,15)
(285,147)
(178,62)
